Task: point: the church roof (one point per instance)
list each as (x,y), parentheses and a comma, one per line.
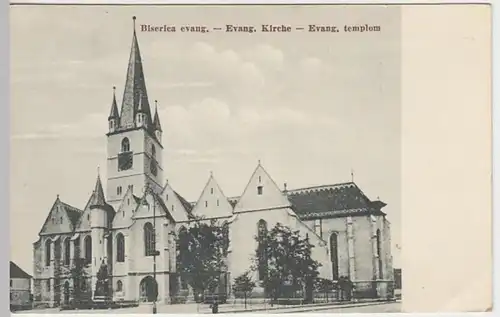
(187,205)
(72,212)
(17,272)
(332,200)
(135,94)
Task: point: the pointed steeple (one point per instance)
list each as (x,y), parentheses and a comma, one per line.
(113,114)
(134,93)
(98,199)
(156,121)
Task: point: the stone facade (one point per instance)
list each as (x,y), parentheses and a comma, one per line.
(139,213)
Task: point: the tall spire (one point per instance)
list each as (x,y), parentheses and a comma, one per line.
(98,199)
(156,121)
(135,92)
(113,114)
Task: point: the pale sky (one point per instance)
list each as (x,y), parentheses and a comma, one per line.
(310,106)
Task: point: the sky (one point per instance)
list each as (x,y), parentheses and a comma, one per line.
(312,107)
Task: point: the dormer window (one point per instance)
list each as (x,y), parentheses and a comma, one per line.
(259,190)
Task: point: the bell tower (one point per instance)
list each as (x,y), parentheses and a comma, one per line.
(134,147)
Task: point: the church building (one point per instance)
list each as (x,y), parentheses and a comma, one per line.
(134,218)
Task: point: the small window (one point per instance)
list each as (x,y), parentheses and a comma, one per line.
(48,285)
(125,145)
(10,283)
(167,197)
(173,208)
(123,213)
(119,286)
(61,220)
(111,124)
(260,179)
(128,201)
(217,202)
(53,220)
(259,190)
(211,191)
(206,203)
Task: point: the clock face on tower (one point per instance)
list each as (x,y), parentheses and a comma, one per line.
(125,161)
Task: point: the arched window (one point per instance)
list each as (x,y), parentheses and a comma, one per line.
(334,253)
(262,248)
(67,246)
(379,255)
(153,151)
(120,248)
(48,252)
(149,239)
(88,249)
(119,286)
(125,145)
(225,234)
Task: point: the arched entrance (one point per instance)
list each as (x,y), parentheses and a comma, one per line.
(148,289)
(66,293)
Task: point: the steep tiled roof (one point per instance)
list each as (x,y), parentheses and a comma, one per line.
(72,212)
(187,205)
(17,272)
(331,200)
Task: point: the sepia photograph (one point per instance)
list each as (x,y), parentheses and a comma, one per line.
(205,159)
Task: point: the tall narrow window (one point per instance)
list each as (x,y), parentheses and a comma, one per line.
(88,249)
(67,246)
(48,252)
(379,255)
(317,227)
(120,248)
(125,145)
(153,151)
(48,285)
(334,253)
(149,239)
(259,190)
(262,249)
(182,245)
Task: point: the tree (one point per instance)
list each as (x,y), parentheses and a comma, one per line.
(79,277)
(290,267)
(201,260)
(244,285)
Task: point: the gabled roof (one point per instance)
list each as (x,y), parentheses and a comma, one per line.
(261,193)
(72,213)
(17,272)
(212,202)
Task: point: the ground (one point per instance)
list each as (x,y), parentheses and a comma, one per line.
(392,307)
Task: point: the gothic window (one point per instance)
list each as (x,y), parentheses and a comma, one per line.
(119,286)
(120,248)
(261,250)
(334,253)
(47,252)
(379,255)
(125,145)
(88,249)
(259,190)
(149,239)
(153,151)
(67,246)
(225,234)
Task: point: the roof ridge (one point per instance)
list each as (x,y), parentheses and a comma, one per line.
(319,187)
